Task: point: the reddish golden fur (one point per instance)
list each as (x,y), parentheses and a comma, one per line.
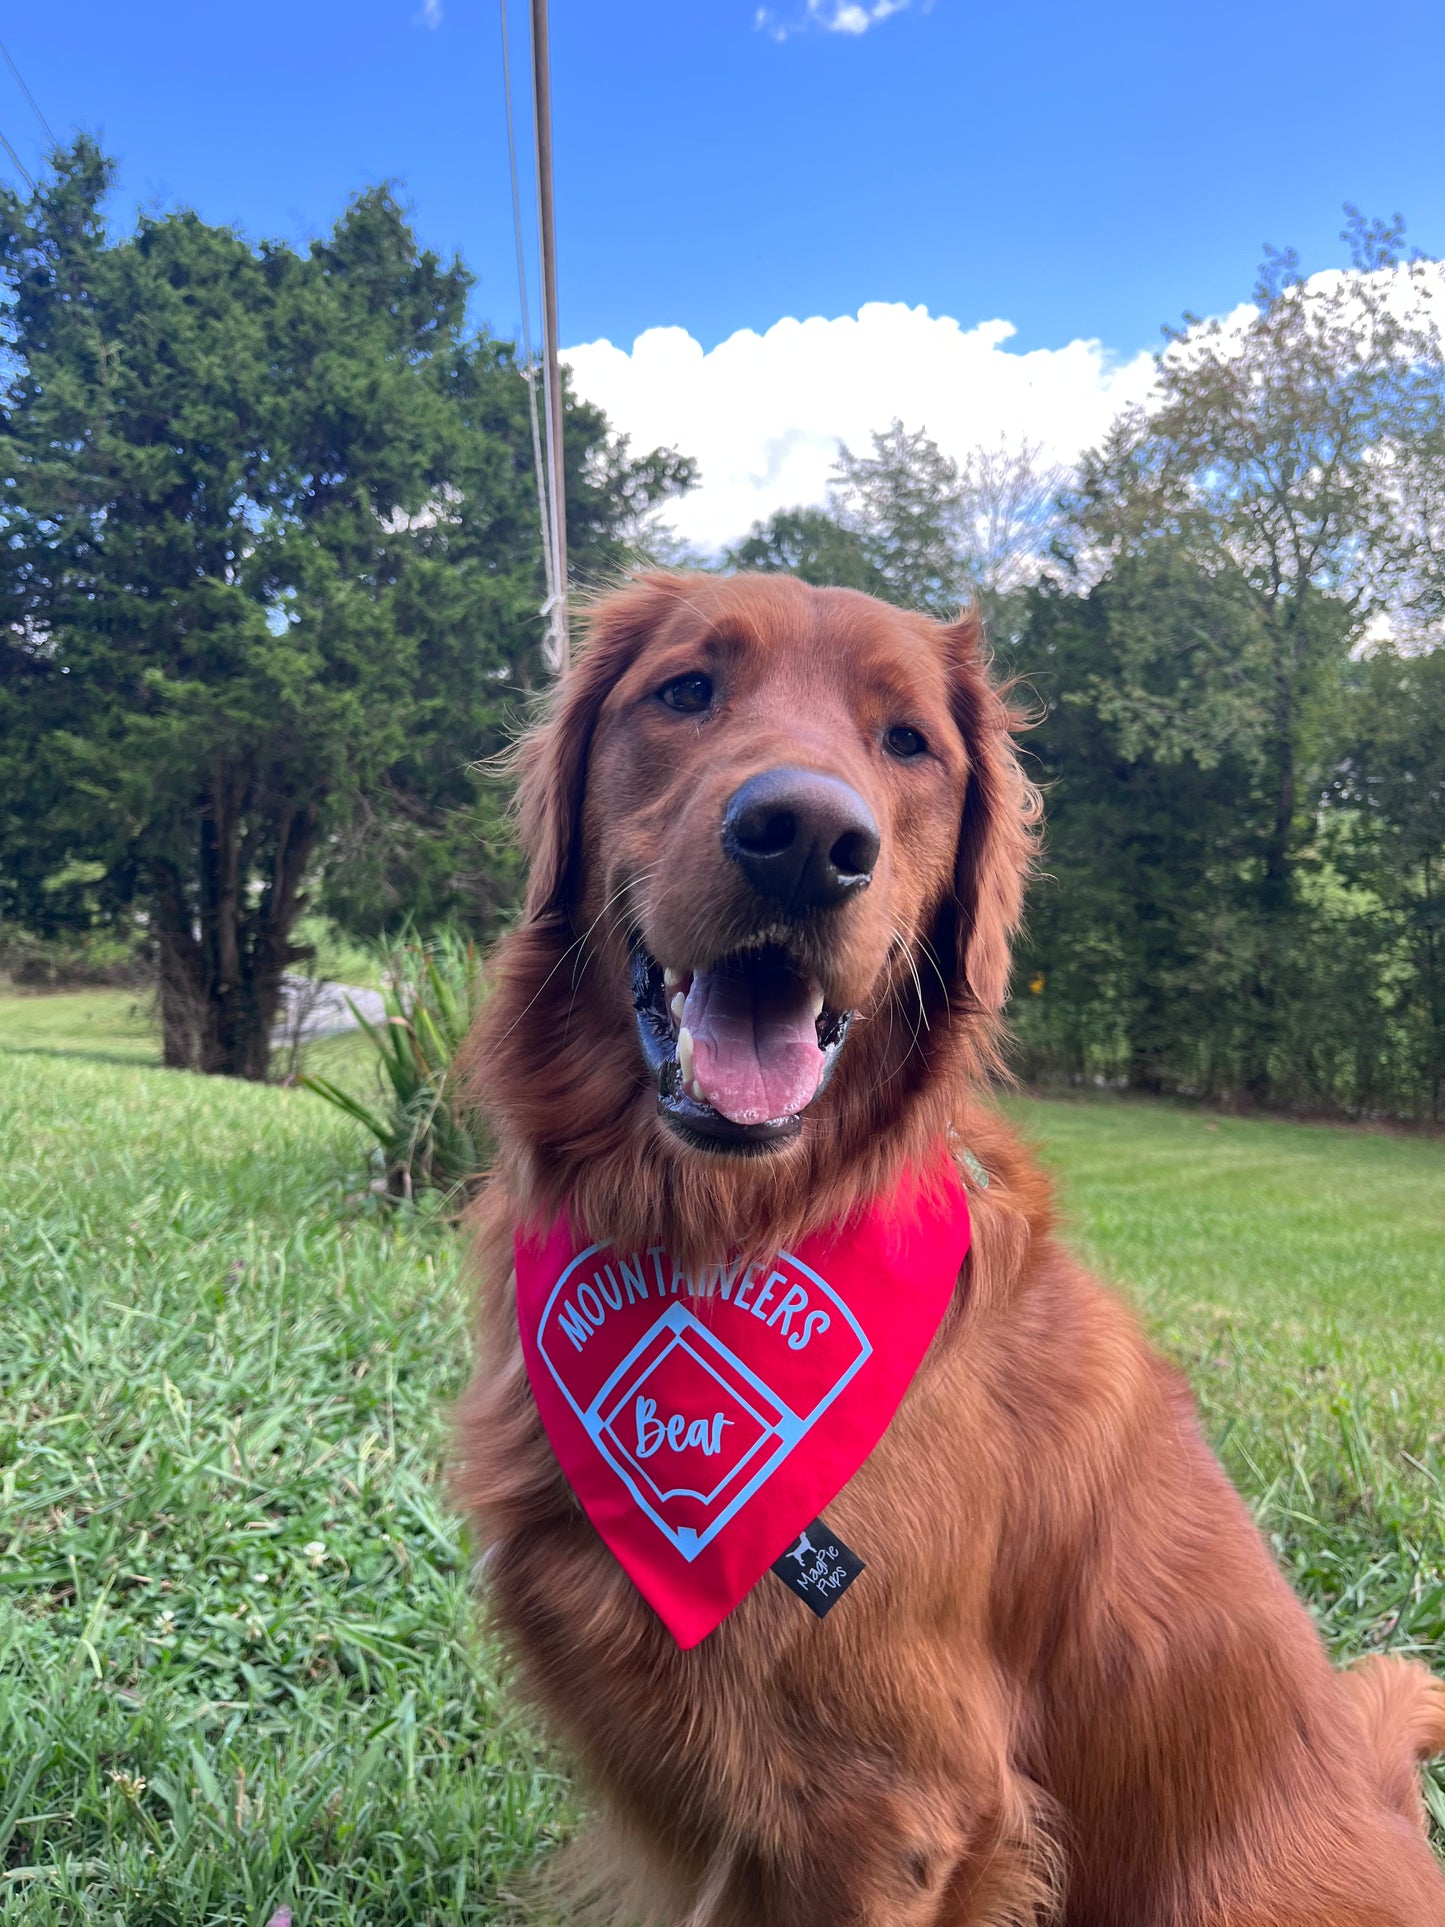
(1073,1686)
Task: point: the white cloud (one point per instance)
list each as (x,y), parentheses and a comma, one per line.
(830,16)
(430,14)
(763,414)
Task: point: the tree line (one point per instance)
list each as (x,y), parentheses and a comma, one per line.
(272,578)
(1226,631)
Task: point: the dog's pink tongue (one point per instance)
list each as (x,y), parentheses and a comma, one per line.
(755,1049)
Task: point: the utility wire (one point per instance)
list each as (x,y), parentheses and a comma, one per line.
(544,507)
(30,179)
(551,347)
(49,134)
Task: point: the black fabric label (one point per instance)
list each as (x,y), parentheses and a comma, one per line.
(818,1567)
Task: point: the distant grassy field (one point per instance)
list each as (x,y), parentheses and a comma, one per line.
(238,1667)
(111,1026)
(118,1027)
(1297,1272)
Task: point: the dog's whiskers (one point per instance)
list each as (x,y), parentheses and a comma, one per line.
(906,951)
(921,1023)
(616,920)
(577,943)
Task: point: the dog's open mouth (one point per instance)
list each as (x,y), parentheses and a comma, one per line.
(739,1050)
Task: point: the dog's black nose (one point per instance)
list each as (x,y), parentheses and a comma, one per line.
(805,839)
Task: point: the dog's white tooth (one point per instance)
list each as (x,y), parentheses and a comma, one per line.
(817,1001)
(695,1090)
(677,1006)
(684,1055)
(671,978)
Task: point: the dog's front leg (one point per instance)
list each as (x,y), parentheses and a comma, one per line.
(900,1858)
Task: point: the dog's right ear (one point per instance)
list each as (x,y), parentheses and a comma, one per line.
(552,758)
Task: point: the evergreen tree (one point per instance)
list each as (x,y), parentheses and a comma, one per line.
(270,575)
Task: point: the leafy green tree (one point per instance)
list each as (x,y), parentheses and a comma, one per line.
(808,543)
(1271,452)
(1389,785)
(890,527)
(911,525)
(430,841)
(1142,931)
(270,573)
(1009,519)
(1149,942)
(902,504)
(1230,548)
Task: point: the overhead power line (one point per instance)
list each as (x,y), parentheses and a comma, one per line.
(530,365)
(547,449)
(542,100)
(49,135)
(29,177)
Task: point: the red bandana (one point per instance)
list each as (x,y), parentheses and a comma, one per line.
(704,1421)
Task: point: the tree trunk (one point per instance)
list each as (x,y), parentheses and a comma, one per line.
(1281,831)
(1153,1053)
(1278,854)
(1434,994)
(221,963)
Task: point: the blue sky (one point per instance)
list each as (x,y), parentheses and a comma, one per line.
(1082,172)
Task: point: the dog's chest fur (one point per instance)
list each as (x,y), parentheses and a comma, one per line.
(874,1745)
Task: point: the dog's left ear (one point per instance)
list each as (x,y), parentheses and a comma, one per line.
(552,759)
(996,841)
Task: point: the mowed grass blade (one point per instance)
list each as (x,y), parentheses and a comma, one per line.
(239,1668)
(239,1665)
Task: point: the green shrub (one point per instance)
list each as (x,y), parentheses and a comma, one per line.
(107,955)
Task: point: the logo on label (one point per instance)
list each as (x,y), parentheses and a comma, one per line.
(696,1390)
(822,1568)
(804,1552)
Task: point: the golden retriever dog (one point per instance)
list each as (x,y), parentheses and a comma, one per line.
(778,840)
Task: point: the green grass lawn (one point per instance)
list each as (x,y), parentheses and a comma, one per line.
(119,1027)
(238,1665)
(109,1026)
(237,1661)
(1297,1272)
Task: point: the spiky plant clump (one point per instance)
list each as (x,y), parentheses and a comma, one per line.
(428,1137)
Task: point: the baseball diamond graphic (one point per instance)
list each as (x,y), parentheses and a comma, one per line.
(679,1360)
(704,1416)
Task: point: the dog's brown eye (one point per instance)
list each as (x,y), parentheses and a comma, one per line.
(687,693)
(903,741)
